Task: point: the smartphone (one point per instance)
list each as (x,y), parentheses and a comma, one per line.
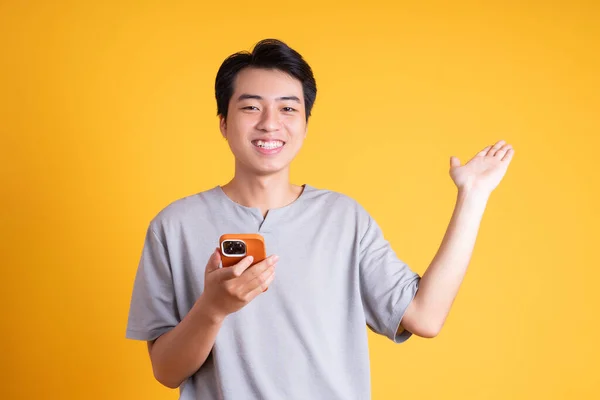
(234,247)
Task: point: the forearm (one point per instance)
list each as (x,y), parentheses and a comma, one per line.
(179,353)
(440,282)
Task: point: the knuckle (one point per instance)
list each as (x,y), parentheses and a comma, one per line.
(229,290)
(241,297)
(236,272)
(246,298)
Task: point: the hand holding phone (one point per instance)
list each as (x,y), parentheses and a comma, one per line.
(246,273)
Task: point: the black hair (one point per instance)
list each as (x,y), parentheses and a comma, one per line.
(267,54)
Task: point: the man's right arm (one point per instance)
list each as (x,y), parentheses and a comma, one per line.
(179,353)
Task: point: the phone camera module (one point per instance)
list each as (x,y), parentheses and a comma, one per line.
(234,247)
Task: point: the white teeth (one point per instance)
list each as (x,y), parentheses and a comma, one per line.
(273,144)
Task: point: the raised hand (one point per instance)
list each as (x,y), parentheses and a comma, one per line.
(485,170)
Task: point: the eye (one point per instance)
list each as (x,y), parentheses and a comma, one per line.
(288,109)
(251,108)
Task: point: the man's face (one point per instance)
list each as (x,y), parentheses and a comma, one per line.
(266,121)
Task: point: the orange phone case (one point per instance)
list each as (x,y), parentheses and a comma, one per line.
(255,247)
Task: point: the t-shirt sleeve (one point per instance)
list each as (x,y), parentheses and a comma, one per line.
(388,285)
(153,309)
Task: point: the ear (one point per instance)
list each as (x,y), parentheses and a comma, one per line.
(223,126)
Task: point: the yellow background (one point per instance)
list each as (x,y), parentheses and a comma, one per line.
(107,114)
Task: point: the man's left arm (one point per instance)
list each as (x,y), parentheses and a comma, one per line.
(439,285)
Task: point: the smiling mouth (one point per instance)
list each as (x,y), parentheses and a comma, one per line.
(268,144)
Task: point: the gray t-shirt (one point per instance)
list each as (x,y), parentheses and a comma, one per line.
(304,338)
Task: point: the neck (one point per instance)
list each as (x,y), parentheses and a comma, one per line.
(262,191)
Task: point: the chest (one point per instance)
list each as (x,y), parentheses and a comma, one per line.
(318,259)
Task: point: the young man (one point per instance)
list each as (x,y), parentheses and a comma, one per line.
(214,332)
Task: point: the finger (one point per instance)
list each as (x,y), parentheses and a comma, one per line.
(484,151)
(495,148)
(256,270)
(254,276)
(213,262)
(236,270)
(261,287)
(509,155)
(500,153)
(454,162)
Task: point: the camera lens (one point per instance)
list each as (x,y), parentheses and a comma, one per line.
(234,247)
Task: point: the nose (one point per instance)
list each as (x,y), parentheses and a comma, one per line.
(269,120)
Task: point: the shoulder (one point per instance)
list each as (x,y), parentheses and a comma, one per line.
(187,208)
(335,202)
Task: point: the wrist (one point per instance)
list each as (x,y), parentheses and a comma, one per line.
(473,201)
(205,310)
(473,193)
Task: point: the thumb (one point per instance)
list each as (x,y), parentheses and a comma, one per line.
(213,262)
(454,162)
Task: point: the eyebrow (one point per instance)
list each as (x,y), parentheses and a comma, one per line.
(257,97)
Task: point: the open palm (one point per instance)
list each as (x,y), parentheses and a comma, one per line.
(484,171)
